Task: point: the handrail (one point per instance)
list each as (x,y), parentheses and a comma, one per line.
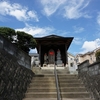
(57,85)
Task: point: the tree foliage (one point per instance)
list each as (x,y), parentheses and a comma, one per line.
(97,55)
(7,32)
(24,40)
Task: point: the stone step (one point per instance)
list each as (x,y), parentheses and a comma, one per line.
(42,85)
(41,90)
(44,75)
(53,81)
(50,75)
(72,89)
(68,77)
(53,85)
(62,75)
(53,78)
(48,78)
(71,77)
(60,80)
(75,95)
(64,89)
(56,99)
(52,72)
(54,95)
(41,95)
(40,80)
(43,79)
(70,80)
(71,85)
(75,75)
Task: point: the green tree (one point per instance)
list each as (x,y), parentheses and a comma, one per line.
(97,55)
(24,41)
(7,32)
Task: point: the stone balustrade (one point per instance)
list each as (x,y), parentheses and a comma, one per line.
(90,74)
(14,78)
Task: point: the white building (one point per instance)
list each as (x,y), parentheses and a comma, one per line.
(72,63)
(34,59)
(87,56)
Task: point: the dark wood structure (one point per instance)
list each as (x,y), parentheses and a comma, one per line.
(49,45)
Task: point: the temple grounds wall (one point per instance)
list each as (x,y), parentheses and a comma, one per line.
(21,57)
(15,71)
(14,78)
(90,75)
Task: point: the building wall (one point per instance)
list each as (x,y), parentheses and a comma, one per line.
(87,56)
(35,62)
(71,63)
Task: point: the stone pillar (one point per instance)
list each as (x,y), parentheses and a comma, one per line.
(40,54)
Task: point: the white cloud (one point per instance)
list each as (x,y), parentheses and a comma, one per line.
(77,41)
(71,9)
(51,6)
(90,45)
(78,29)
(98,19)
(16,10)
(37,31)
(41,31)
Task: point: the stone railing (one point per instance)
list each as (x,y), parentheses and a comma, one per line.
(14,78)
(90,74)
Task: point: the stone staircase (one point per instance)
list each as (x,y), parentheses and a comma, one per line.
(43,87)
(73,88)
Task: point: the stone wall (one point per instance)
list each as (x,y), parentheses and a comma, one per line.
(83,66)
(90,75)
(21,57)
(15,71)
(14,78)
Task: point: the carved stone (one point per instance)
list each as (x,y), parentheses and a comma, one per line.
(59,61)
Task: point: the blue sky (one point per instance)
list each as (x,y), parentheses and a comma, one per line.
(69,18)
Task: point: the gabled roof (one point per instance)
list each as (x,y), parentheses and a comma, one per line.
(54,40)
(49,37)
(53,36)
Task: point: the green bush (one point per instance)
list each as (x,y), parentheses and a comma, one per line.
(97,56)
